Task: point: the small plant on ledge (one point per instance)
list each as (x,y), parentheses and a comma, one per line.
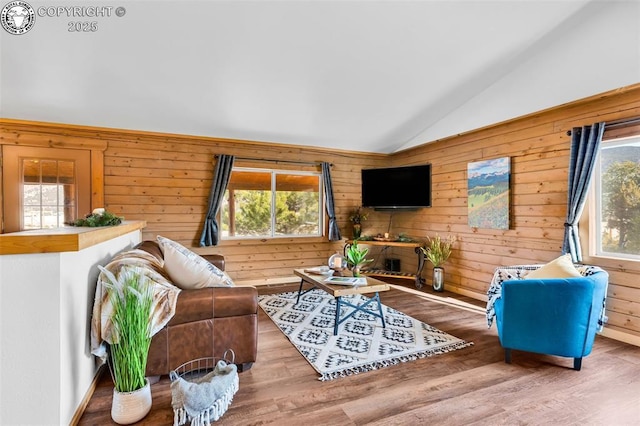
(97,218)
(356,218)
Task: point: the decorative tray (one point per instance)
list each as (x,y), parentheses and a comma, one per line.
(353,281)
(320,270)
(385,239)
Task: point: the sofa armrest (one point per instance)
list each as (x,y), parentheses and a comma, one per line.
(215,259)
(214,302)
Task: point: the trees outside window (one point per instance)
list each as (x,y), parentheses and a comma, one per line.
(272,203)
(618,198)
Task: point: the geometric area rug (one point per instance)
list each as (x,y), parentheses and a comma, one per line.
(361,344)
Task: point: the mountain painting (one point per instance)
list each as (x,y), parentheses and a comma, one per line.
(488,193)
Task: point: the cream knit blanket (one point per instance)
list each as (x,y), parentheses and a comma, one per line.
(165,296)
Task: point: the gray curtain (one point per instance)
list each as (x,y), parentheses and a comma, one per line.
(334,231)
(585,144)
(210,234)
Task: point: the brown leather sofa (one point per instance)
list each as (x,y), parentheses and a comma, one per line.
(207,322)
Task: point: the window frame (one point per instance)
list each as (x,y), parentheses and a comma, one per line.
(322,219)
(13,185)
(26,133)
(593,218)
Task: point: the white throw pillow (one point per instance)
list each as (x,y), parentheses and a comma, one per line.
(562,267)
(189,270)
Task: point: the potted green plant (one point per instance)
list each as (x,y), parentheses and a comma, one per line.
(356,218)
(357,257)
(437,252)
(131,298)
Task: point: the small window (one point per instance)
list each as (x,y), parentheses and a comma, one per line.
(262,203)
(49,193)
(44,187)
(616,228)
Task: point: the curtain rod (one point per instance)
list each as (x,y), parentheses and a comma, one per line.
(617,123)
(269,160)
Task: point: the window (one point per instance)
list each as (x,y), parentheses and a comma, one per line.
(48,193)
(616,204)
(272,203)
(44,187)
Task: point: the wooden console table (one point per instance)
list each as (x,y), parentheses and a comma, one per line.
(415,245)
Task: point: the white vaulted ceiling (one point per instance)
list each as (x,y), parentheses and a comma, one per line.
(373,76)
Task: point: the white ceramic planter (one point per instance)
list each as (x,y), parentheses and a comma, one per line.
(130,407)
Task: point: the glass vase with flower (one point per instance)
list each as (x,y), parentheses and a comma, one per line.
(356,218)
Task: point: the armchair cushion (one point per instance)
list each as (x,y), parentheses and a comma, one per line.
(189,270)
(561,267)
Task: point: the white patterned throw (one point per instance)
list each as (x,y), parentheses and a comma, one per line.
(362,344)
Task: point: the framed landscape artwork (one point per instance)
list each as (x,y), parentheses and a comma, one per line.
(488,193)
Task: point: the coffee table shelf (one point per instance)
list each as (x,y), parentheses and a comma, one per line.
(415,245)
(383,273)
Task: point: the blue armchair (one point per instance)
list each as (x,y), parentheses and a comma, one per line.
(553,316)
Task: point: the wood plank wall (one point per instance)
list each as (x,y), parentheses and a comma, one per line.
(165,180)
(538,146)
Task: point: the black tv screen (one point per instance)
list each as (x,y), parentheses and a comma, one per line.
(407,187)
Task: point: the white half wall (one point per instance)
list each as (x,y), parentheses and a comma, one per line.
(46,299)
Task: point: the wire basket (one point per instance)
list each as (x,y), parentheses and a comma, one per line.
(204,403)
(197,368)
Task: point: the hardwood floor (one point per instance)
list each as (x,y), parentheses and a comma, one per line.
(468,386)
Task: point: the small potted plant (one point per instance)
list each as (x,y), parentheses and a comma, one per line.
(356,218)
(357,258)
(131,299)
(437,252)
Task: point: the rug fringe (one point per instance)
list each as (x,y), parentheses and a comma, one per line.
(392,361)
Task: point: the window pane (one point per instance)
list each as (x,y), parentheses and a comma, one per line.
(66,172)
(31,217)
(297,205)
(49,216)
(31,195)
(49,195)
(247,208)
(253,213)
(49,171)
(67,194)
(31,171)
(619,207)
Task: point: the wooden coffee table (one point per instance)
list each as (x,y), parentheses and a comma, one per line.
(337,291)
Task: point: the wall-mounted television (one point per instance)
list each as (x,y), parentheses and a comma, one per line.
(396,188)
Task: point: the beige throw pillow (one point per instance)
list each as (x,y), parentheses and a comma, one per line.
(562,267)
(188,270)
